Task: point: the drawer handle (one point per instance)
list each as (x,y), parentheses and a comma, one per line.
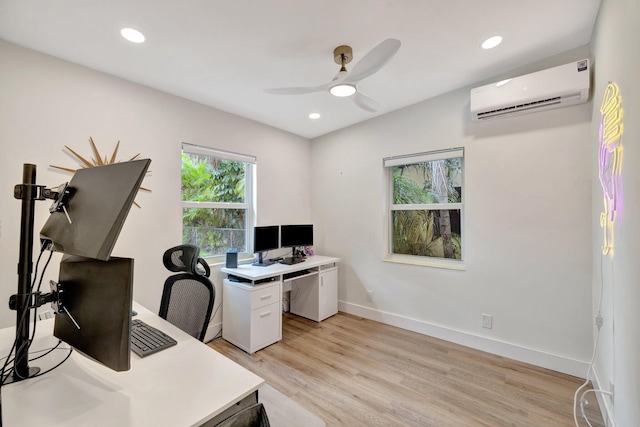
(265,314)
(264,297)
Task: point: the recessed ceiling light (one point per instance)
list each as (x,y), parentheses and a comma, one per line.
(343,90)
(491,42)
(134,36)
(314,116)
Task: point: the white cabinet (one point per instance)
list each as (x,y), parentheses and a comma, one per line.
(315,296)
(328,293)
(251,314)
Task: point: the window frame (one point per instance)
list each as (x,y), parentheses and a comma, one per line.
(249,204)
(388,164)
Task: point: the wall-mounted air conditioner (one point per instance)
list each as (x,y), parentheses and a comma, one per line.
(543,90)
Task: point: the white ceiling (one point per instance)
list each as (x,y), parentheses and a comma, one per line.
(224,53)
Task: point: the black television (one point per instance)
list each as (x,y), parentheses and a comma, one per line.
(296,236)
(97,297)
(95,209)
(265,238)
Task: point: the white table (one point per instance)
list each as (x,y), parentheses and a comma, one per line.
(251,310)
(185,385)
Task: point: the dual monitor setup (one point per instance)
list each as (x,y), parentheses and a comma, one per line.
(93,296)
(273,237)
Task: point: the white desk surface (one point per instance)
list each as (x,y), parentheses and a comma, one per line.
(184,385)
(253,272)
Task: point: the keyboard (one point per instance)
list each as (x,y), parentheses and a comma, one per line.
(146,340)
(295,274)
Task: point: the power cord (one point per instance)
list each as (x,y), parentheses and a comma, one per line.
(584,401)
(599,322)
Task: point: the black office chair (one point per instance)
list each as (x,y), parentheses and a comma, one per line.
(253,416)
(187,297)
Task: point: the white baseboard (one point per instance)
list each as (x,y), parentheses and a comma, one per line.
(606,408)
(213,330)
(534,357)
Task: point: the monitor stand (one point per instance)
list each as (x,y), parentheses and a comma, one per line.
(292,260)
(262,262)
(297,256)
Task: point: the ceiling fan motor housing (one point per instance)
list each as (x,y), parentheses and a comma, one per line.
(342,53)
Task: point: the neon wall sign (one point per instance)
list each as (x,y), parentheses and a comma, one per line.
(610,161)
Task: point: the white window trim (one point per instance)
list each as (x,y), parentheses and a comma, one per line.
(388,164)
(250,194)
(228,155)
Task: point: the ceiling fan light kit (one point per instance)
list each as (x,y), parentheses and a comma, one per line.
(342,90)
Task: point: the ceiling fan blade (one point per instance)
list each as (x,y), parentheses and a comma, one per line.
(366,103)
(374,60)
(296,90)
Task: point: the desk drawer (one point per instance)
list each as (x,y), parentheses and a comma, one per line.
(261,297)
(266,326)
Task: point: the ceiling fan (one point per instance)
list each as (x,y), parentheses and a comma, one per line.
(344,83)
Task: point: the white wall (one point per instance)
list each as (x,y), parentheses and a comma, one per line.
(47,103)
(616,46)
(527,227)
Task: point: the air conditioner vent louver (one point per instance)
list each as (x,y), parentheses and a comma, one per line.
(552,88)
(520,107)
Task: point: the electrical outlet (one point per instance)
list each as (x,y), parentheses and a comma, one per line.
(369,296)
(611,390)
(487,321)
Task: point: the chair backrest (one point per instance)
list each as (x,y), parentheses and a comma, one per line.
(185,258)
(187,297)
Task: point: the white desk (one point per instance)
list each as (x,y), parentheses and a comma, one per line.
(185,385)
(251,311)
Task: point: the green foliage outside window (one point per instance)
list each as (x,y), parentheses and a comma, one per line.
(433,231)
(209,179)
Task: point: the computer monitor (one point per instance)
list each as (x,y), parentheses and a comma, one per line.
(95,209)
(86,218)
(265,238)
(294,236)
(97,297)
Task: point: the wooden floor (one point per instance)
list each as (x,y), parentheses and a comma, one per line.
(356,372)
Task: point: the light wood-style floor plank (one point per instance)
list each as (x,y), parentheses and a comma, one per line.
(352,371)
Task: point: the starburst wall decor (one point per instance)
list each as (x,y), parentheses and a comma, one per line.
(97,160)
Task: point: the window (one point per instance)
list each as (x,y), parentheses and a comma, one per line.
(217,199)
(425,209)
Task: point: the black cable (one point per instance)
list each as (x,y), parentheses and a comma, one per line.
(47,351)
(213,316)
(15,341)
(35,313)
(27,308)
(39,374)
(20,324)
